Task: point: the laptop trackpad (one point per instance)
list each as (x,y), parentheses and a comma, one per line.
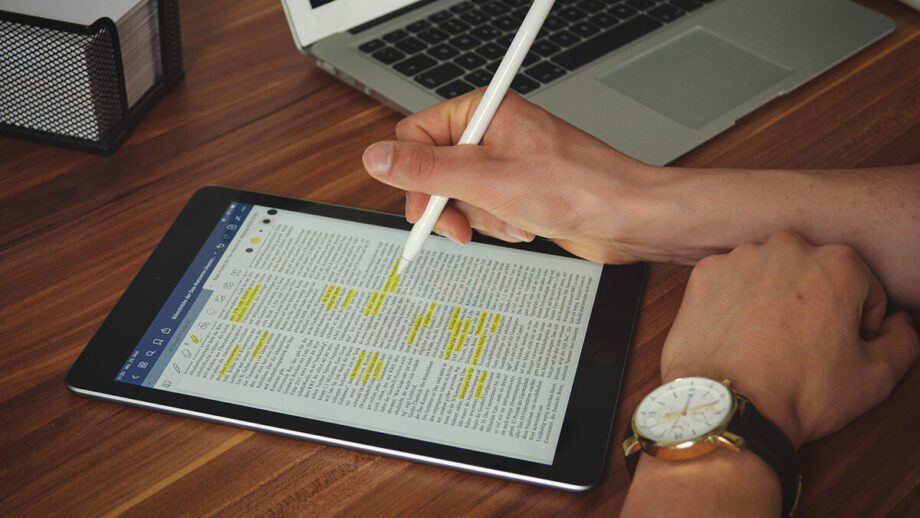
(695,77)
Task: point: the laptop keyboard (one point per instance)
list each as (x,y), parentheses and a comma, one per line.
(459,49)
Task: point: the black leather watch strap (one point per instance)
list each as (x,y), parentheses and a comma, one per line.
(772,445)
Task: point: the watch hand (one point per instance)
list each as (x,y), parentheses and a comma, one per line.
(699,407)
(671,415)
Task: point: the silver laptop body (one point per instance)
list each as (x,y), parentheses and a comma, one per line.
(662,94)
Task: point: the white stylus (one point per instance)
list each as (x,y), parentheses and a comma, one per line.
(481,119)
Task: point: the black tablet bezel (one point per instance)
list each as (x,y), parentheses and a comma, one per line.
(581,451)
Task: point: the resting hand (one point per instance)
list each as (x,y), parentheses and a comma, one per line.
(799,329)
(533,174)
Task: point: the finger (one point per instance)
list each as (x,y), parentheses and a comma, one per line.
(462,172)
(491,225)
(452,223)
(874,306)
(441,124)
(460,218)
(897,345)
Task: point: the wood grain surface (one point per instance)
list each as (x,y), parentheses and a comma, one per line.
(254,113)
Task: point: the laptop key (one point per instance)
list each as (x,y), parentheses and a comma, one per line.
(417,26)
(666,13)
(565,38)
(388,55)
(554,23)
(607,41)
(688,5)
(530,59)
(470,61)
(433,35)
(545,72)
(523,84)
(479,77)
(584,29)
(622,11)
(396,35)
(462,7)
(641,4)
(491,51)
(545,48)
(443,52)
(603,20)
(410,45)
(475,17)
(454,26)
(415,64)
(465,42)
(440,16)
(495,8)
(506,23)
(486,32)
(454,88)
(591,6)
(572,14)
(439,75)
(371,46)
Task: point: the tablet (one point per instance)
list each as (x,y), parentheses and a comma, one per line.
(286,316)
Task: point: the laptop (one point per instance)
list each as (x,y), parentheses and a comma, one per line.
(652,78)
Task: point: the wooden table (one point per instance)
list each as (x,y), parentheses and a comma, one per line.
(252,112)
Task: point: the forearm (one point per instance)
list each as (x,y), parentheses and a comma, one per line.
(722,483)
(876,211)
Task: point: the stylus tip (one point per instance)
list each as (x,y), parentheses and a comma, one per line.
(403,263)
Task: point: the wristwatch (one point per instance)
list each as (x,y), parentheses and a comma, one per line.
(689,417)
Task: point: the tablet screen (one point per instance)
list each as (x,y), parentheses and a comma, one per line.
(474,346)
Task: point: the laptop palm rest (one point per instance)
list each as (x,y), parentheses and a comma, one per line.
(695,77)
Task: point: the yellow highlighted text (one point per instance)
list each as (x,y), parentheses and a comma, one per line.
(369,369)
(333,298)
(480,384)
(230,360)
(255,354)
(357,367)
(466,329)
(478,353)
(412,333)
(351,295)
(370,303)
(495,321)
(466,383)
(482,320)
(429,314)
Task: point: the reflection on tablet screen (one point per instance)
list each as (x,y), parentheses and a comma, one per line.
(475,347)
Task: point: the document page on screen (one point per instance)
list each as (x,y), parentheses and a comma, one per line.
(474,346)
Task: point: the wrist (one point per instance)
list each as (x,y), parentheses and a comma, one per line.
(710,211)
(641,207)
(721,483)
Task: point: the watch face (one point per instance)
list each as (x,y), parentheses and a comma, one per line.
(683,410)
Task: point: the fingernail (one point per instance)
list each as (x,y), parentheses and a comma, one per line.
(377,158)
(450,235)
(516,233)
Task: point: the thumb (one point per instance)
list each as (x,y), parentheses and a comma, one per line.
(897,345)
(452,171)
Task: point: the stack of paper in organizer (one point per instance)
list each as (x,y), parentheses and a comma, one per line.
(47,95)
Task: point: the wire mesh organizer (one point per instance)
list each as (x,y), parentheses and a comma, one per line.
(64,83)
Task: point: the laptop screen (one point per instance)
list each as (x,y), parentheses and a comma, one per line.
(313,20)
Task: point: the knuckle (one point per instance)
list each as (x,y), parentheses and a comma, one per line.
(402,127)
(842,260)
(705,269)
(788,237)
